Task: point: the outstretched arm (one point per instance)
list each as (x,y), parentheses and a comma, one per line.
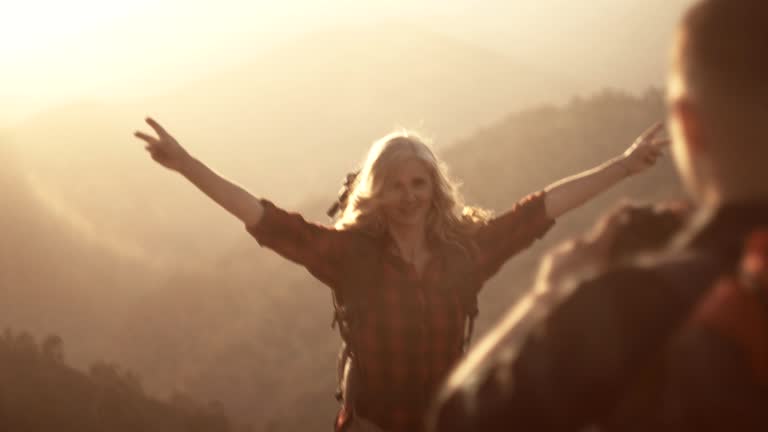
(571,192)
(318,248)
(166,151)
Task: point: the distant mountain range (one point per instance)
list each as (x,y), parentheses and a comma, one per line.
(41,392)
(606,43)
(57,274)
(288,125)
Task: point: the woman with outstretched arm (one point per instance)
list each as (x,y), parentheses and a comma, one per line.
(405,260)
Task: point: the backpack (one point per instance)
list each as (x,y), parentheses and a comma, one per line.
(736,308)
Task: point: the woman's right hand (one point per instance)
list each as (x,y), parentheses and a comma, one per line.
(164,148)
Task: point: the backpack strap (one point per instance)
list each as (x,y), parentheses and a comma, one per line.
(754,266)
(341,321)
(348,302)
(469,303)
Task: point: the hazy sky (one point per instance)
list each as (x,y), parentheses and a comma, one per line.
(54,51)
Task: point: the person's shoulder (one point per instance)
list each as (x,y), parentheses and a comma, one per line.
(360,245)
(643,228)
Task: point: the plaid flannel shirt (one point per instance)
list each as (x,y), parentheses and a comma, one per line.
(411,332)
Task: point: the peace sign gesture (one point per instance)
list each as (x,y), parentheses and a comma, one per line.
(644,152)
(164,148)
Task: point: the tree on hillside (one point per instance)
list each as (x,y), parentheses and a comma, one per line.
(40,393)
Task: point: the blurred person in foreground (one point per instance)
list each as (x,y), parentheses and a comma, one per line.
(404,261)
(672,340)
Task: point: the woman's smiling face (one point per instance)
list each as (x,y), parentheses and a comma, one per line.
(407,194)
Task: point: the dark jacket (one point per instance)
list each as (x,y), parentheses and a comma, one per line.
(611,355)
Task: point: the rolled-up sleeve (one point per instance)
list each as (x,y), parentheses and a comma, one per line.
(511,232)
(316,247)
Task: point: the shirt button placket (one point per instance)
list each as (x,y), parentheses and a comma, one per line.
(426,357)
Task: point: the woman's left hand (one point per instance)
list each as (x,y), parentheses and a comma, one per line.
(644,152)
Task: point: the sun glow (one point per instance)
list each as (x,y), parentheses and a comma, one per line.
(44,24)
(54,52)
(43,49)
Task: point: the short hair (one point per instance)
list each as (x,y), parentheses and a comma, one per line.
(724,53)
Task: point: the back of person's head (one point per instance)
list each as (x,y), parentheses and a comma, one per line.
(363,209)
(718,94)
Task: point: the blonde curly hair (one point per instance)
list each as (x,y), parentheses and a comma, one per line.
(448,220)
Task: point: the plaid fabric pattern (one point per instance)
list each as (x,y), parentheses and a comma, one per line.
(411,330)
